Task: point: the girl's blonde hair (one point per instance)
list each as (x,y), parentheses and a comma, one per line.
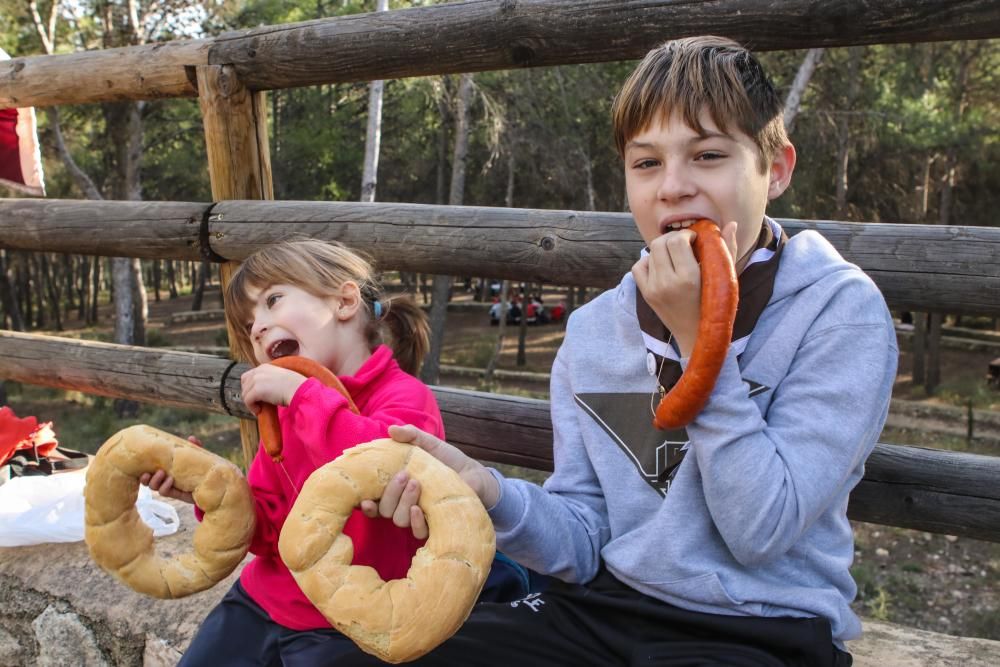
(321,268)
(687,76)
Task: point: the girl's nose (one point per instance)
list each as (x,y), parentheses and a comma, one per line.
(257,329)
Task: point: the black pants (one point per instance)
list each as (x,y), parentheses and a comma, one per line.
(606,623)
(239,633)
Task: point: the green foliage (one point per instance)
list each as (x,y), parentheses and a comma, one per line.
(476,353)
(983,623)
(156,338)
(871,594)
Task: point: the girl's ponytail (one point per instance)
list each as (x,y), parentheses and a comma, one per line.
(408,328)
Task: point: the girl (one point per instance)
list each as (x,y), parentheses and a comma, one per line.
(321,301)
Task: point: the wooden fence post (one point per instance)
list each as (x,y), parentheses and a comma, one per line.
(239,165)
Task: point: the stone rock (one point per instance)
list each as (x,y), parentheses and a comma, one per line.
(885,644)
(159,653)
(130,629)
(64,640)
(10,649)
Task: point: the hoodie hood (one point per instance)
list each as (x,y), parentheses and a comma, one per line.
(808,259)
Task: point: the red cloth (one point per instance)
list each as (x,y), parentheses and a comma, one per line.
(23,433)
(316,427)
(20,158)
(10,150)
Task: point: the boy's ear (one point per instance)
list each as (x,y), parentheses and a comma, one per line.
(782,167)
(349,297)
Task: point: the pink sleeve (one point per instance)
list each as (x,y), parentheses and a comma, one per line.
(319,418)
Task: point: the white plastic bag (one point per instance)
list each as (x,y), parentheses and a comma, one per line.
(49,508)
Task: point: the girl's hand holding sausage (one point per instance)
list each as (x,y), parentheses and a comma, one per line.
(163,483)
(399,501)
(669,279)
(269,384)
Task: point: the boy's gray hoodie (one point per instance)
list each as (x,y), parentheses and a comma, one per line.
(753,520)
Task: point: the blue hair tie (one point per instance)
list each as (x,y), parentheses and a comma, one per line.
(377,307)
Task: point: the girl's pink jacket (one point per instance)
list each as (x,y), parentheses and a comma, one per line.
(316,427)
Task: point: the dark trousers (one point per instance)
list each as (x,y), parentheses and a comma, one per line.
(606,623)
(238,633)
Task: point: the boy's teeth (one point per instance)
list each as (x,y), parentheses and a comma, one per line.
(681,225)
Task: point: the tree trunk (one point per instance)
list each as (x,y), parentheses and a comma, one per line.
(8,296)
(157,279)
(967,56)
(199,290)
(793,101)
(522,331)
(171,279)
(80,178)
(83,290)
(139,302)
(48,284)
(919,348)
(24,291)
(37,291)
(501,330)
(934,353)
(844,131)
(369,178)
(121,284)
(505,285)
(66,274)
(96,290)
(442,284)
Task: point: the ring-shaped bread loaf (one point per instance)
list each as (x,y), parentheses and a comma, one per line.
(401,619)
(122,544)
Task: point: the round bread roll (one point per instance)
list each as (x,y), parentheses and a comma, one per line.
(122,544)
(401,619)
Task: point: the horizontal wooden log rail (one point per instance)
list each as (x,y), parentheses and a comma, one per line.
(911,487)
(476,36)
(922,267)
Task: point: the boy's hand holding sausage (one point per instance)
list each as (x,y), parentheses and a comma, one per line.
(669,279)
(269,384)
(399,501)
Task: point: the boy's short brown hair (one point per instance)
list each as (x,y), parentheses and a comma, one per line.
(693,74)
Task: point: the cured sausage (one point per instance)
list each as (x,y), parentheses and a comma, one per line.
(267,420)
(719,296)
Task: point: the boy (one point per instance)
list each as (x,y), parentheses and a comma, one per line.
(728,542)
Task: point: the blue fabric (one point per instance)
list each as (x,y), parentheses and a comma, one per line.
(509,581)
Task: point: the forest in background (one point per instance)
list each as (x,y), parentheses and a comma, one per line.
(887,133)
(890,133)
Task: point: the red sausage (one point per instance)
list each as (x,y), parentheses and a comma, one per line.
(267,420)
(719,296)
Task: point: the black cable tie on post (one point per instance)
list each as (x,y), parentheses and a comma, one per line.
(205,248)
(222,388)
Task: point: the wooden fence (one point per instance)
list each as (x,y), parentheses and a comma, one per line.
(953,268)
